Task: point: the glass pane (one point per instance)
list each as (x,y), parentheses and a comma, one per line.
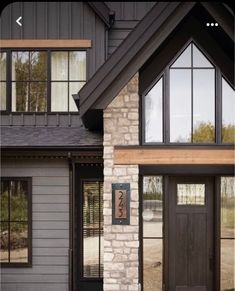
(227,264)
(38,69)
(74,88)
(91,253)
(153,114)
(184,60)
(191,194)
(204,106)
(4,200)
(152,258)
(180,105)
(3,66)
(101,253)
(101,204)
(19,201)
(59,66)
(228,207)
(59,96)
(77,66)
(20,66)
(199,60)
(3,95)
(4,258)
(152,206)
(38,96)
(91,205)
(228,115)
(18,243)
(20,96)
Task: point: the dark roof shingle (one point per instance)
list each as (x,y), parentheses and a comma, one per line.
(18,136)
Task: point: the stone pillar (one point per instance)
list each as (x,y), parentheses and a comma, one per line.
(121,242)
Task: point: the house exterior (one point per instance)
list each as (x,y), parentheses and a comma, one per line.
(117,146)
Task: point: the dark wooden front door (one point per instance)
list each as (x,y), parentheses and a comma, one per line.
(191,248)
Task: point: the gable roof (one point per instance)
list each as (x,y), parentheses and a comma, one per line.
(137,48)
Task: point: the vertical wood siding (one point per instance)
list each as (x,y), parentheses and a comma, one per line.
(56,20)
(127,16)
(50,198)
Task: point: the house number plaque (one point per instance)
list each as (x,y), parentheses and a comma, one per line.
(121,203)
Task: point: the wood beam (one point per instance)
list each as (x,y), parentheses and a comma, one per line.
(45,43)
(130,156)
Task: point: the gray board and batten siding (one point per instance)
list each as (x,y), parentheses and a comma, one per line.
(50,227)
(127,16)
(57,20)
(54,20)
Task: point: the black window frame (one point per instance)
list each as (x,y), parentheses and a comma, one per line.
(166,105)
(29,263)
(48,81)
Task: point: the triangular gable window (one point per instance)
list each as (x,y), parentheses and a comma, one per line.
(186,107)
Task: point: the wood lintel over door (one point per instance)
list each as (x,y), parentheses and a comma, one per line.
(45,43)
(144,156)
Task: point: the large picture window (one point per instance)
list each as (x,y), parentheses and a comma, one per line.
(184,104)
(15,221)
(41,80)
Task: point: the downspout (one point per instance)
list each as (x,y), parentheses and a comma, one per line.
(71,165)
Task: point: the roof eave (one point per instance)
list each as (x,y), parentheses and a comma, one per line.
(102,10)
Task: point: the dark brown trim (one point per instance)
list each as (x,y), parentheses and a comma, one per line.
(29,224)
(102,10)
(221,15)
(186,169)
(217,225)
(81,155)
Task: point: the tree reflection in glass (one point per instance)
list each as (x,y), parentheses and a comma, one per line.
(29,76)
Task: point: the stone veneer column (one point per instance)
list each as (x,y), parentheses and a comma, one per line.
(121,242)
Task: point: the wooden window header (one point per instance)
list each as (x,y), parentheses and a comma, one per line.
(45,43)
(174,156)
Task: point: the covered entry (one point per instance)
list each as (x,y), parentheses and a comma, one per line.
(187,230)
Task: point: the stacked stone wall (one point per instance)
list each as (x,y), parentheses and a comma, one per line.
(121,242)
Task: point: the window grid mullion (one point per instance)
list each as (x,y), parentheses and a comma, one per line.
(191,93)
(68,56)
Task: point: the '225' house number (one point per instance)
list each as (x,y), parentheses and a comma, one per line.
(120,204)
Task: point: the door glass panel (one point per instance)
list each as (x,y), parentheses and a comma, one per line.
(184,60)
(153,264)
(153,114)
(152,206)
(193,194)
(180,105)
(227,264)
(227,207)
(204,105)
(92,230)
(228,116)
